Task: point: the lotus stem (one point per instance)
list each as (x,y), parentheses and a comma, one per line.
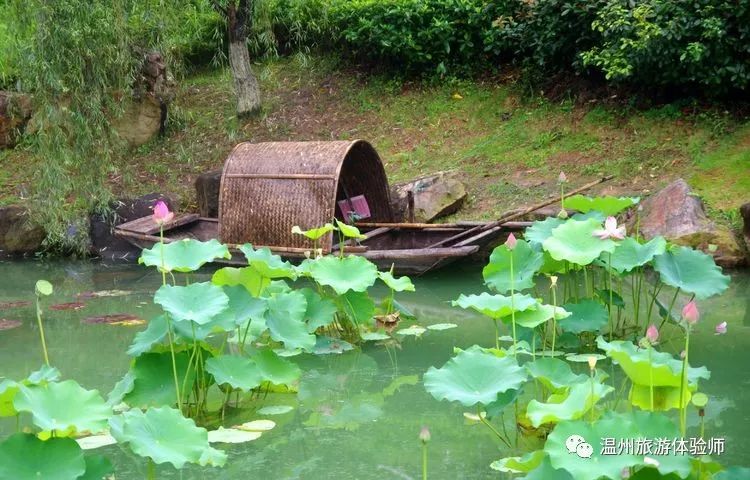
(586,281)
(651,376)
(150,469)
(593,398)
(424,461)
(554,318)
(609,274)
(671,306)
(512,308)
(683,378)
(41,329)
(654,295)
(489,425)
(169,322)
(497,334)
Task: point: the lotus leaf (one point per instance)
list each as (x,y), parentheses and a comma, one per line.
(733,473)
(267,264)
(665,398)
(630,254)
(327,345)
(542,313)
(575,242)
(191,331)
(122,387)
(496,306)
(257,426)
(153,379)
(583,357)
(524,464)
(63,408)
(474,377)
(275,369)
(526,263)
(285,320)
(541,230)
(545,471)
(691,271)
(238,372)
(414,331)
(607,205)
(555,374)
(666,370)
(244,307)
(314,233)
(344,274)
(8,391)
(232,435)
(567,406)
(634,424)
(43,287)
(276,410)
(43,376)
(441,326)
(320,311)
(358,306)
(247,277)
(98,467)
(199,302)
(585,316)
(604,296)
(165,436)
(371,337)
(185,255)
(401,284)
(503,400)
(349,231)
(155,332)
(24,457)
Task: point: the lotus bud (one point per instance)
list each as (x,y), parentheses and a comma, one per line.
(682,354)
(511,242)
(562,178)
(721,328)
(307,254)
(424,435)
(552,281)
(562,214)
(690,313)
(592,363)
(652,334)
(161,213)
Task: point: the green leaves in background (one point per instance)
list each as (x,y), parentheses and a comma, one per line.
(585,316)
(607,205)
(285,320)
(400,284)
(344,274)
(630,254)
(526,263)
(240,373)
(198,302)
(185,255)
(691,271)
(24,457)
(153,380)
(570,405)
(575,242)
(495,306)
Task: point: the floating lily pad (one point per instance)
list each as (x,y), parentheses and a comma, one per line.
(266,263)
(575,242)
(327,345)
(691,271)
(24,457)
(441,326)
(165,436)
(276,410)
(92,442)
(9,324)
(569,405)
(344,274)
(607,205)
(583,357)
(526,263)
(285,320)
(198,302)
(473,377)
(104,293)
(232,435)
(401,284)
(585,316)
(16,304)
(630,254)
(555,374)
(118,319)
(545,471)
(238,372)
(276,369)
(495,306)
(67,306)
(414,330)
(374,336)
(185,255)
(257,426)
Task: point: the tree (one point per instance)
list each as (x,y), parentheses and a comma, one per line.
(239,17)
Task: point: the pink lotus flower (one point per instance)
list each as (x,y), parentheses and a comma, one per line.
(611,230)
(652,334)
(162,214)
(562,178)
(424,435)
(690,313)
(721,328)
(511,242)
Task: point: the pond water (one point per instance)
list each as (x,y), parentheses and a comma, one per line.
(357,415)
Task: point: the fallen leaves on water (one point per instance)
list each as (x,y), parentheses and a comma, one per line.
(104,293)
(67,306)
(122,319)
(15,304)
(9,324)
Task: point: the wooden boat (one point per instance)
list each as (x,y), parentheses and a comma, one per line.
(267,188)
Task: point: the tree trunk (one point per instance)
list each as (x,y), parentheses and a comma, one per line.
(245,84)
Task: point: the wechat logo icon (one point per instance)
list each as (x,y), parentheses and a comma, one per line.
(577,444)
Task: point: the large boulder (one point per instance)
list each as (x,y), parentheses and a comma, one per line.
(745,214)
(15,111)
(207,193)
(104,244)
(435,196)
(18,235)
(678,215)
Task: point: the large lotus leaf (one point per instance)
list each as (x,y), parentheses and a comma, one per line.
(606,205)
(545,471)
(691,271)
(666,370)
(285,320)
(232,435)
(155,332)
(524,464)
(267,264)
(665,398)
(358,306)
(198,302)
(567,406)
(248,277)
(240,373)
(496,306)
(98,467)
(555,374)
(244,307)
(24,457)
(542,313)
(191,331)
(620,426)
(165,436)
(185,255)
(550,265)
(43,376)
(320,311)
(122,387)
(328,346)
(630,254)
(575,242)
(344,274)
(275,369)
(153,379)
(400,284)
(526,263)
(314,233)
(65,408)
(474,376)
(541,230)
(585,316)
(503,400)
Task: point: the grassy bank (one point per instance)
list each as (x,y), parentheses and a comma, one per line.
(508,148)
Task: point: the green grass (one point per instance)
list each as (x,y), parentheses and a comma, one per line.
(507,148)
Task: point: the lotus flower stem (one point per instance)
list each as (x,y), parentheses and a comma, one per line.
(512,308)
(150,469)
(41,329)
(651,376)
(554,318)
(609,274)
(654,295)
(585,281)
(482,419)
(671,306)
(497,334)
(683,411)
(169,321)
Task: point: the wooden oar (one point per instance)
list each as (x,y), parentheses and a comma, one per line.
(523,212)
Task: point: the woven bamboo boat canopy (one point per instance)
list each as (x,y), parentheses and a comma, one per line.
(267,188)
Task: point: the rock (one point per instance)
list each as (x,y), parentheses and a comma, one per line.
(207,193)
(15,111)
(101,229)
(435,196)
(678,215)
(17,235)
(745,214)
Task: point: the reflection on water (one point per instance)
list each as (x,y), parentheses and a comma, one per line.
(357,415)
